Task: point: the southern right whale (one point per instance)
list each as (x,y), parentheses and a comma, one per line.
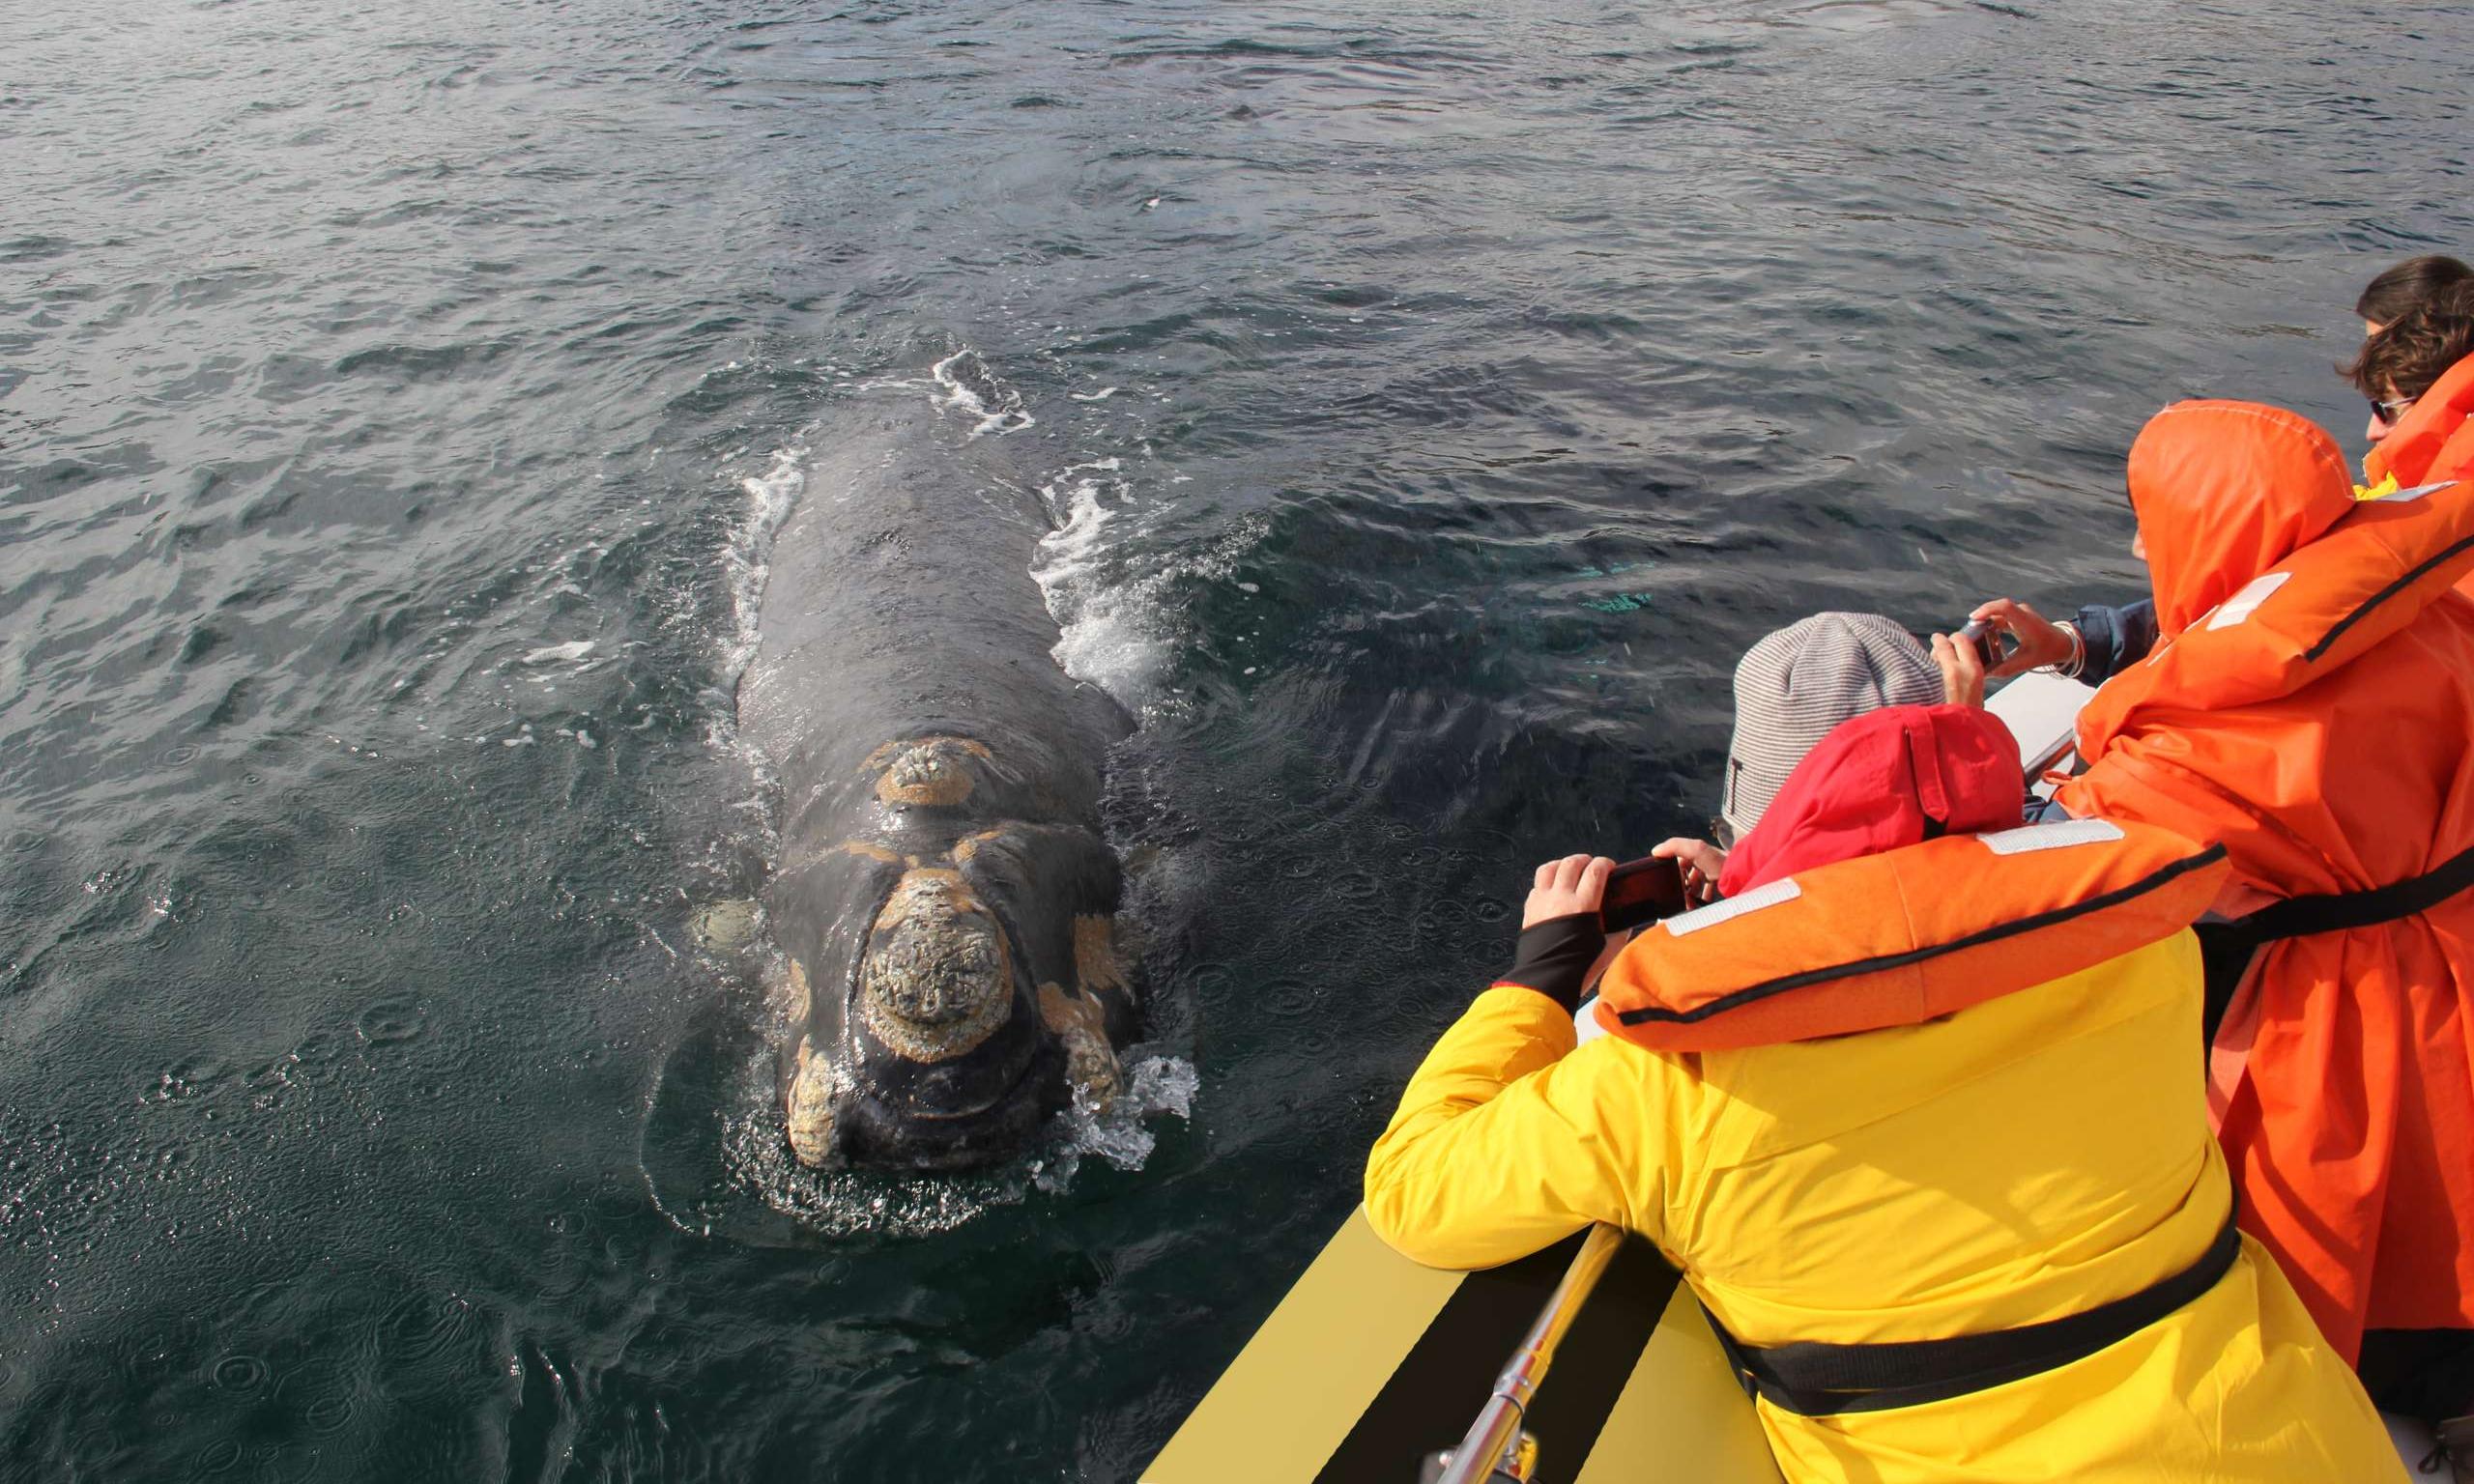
(942,890)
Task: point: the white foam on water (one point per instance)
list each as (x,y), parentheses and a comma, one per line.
(1109,633)
(552,654)
(995,406)
(1155,1086)
(1118,605)
(770,498)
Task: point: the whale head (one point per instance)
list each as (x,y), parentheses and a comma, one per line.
(951,1065)
(974,1004)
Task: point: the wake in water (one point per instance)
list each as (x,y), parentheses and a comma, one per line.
(1109,631)
(965,384)
(1121,608)
(770,498)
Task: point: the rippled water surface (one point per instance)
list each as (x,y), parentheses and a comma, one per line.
(395,403)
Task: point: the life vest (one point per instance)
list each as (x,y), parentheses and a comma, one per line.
(2434,441)
(1897,938)
(2435,438)
(1906,936)
(2369,575)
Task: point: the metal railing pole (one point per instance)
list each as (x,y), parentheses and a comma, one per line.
(1498,1427)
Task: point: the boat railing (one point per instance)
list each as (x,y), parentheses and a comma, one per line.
(1495,1449)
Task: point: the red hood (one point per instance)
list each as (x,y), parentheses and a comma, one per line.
(2225,491)
(1894,777)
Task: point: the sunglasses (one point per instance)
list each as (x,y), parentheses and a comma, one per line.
(2389,412)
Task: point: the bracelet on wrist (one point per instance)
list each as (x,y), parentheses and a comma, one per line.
(2069,668)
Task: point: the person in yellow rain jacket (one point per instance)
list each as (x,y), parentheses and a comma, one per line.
(1908,1082)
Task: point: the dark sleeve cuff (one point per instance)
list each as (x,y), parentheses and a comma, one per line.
(2045,811)
(2115,638)
(1554,956)
(2137,635)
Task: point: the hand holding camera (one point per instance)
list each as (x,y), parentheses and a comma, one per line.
(2034,640)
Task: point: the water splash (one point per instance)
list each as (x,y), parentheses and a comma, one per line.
(1108,633)
(1122,1133)
(1121,606)
(965,384)
(770,495)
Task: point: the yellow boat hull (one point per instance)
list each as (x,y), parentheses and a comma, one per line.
(1372,1363)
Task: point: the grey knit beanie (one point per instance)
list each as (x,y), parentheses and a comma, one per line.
(1797,685)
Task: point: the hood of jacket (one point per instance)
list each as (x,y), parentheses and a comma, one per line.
(2225,490)
(1894,777)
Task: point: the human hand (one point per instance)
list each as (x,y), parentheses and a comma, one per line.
(1702,862)
(1576,883)
(1962,671)
(2040,640)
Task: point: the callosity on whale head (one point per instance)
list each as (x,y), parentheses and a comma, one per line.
(959,979)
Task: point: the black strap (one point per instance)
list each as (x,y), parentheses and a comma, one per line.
(2226,952)
(2298,917)
(2226,947)
(1816,1379)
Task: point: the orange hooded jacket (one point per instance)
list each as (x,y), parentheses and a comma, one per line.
(2310,705)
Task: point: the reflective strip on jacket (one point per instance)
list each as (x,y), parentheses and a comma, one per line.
(2015,1161)
(2310,705)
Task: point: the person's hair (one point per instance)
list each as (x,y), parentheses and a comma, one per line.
(2418,348)
(2399,291)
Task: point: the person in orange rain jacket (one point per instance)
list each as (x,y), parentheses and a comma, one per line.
(2419,375)
(2101,639)
(2309,705)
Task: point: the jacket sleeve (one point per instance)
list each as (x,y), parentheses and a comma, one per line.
(2115,638)
(2045,811)
(1507,1139)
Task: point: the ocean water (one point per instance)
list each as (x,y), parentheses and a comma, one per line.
(395,407)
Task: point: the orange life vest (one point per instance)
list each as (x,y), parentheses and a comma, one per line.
(1903,936)
(2435,438)
(2434,441)
(2311,708)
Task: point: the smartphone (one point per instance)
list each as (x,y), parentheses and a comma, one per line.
(1642,891)
(1988,644)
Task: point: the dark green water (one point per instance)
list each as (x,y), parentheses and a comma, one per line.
(391,402)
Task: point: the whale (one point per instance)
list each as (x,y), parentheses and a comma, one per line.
(942,893)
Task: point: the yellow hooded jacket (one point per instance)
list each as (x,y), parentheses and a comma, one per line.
(2019,1161)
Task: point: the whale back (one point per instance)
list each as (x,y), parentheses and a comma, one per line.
(899,604)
